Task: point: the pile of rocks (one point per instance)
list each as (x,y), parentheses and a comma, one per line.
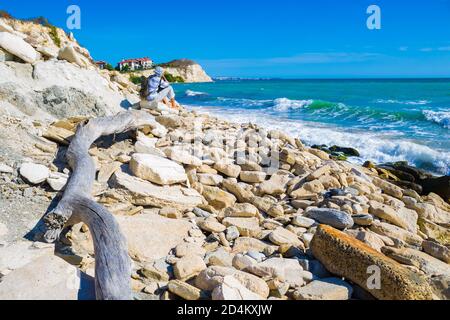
(210,209)
(208,215)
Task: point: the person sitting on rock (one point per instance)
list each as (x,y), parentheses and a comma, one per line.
(156,88)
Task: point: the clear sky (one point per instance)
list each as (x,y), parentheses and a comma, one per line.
(264,38)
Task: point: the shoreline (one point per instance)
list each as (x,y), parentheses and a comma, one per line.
(319,126)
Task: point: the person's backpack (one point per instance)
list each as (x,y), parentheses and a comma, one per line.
(144,87)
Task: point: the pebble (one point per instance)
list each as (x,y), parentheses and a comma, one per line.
(256,255)
(332,217)
(232,233)
(363,219)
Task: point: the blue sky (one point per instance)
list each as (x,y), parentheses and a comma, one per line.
(262,38)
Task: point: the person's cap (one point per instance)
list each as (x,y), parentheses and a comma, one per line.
(159,71)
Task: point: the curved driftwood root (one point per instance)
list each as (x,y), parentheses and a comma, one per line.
(112,263)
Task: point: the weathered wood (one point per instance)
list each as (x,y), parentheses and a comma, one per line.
(112,263)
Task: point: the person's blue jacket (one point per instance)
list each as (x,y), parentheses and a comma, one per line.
(156,84)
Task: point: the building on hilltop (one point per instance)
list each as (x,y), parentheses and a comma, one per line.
(135,64)
(101,64)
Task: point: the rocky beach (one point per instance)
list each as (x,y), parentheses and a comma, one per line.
(209,209)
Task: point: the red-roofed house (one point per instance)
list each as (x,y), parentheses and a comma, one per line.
(136,64)
(101,64)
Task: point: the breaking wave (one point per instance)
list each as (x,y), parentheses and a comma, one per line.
(191,93)
(440,117)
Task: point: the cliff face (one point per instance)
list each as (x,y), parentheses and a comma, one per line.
(46,74)
(188,70)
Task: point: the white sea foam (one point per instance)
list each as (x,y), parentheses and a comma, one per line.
(285,104)
(440,117)
(191,93)
(407,102)
(377,147)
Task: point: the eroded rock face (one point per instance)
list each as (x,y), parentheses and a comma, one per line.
(18,47)
(350,258)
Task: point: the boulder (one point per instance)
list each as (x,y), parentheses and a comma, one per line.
(370,238)
(252,176)
(5,168)
(282,236)
(244,244)
(437,250)
(69,54)
(151,236)
(241,210)
(209,179)
(156,169)
(242,194)
(285,270)
(219,257)
(184,290)
(213,276)
(228,169)
(303,222)
(335,218)
(187,248)
(318,173)
(232,289)
(144,193)
(350,258)
(18,47)
(396,233)
(387,213)
(218,198)
(388,188)
(182,156)
(56,280)
(248,227)
(211,225)
(428,264)
(34,173)
(276,185)
(57,181)
(325,289)
(188,267)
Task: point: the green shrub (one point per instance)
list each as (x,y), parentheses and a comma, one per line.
(172,78)
(54,35)
(126,69)
(136,79)
(109,67)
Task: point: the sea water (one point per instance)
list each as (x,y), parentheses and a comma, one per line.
(385,119)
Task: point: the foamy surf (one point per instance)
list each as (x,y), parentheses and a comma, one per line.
(285,104)
(406,102)
(191,93)
(440,117)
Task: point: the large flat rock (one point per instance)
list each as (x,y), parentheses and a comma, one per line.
(350,258)
(47,278)
(151,236)
(149,194)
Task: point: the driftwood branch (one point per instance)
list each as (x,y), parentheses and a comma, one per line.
(112,263)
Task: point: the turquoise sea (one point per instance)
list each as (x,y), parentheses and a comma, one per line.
(386,120)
